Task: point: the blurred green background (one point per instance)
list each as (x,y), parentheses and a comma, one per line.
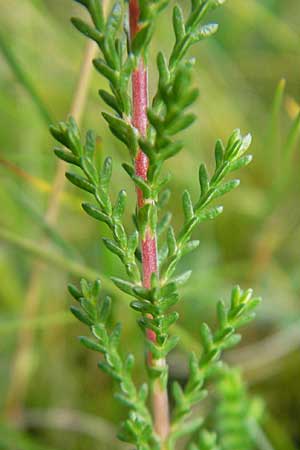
(51,394)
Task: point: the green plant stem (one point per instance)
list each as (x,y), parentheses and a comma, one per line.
(71,421)
(259,436)
(160,402)
(24,79)
(55,259)
(12,325)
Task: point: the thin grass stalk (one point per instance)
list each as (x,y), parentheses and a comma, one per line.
(21,366)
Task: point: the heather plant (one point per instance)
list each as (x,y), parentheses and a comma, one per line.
(236,415)
(152,252)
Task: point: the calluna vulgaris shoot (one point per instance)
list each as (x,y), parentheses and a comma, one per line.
(151,254)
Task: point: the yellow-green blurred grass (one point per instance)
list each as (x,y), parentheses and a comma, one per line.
(237,74)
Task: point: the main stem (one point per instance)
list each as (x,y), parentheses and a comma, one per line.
(160,402)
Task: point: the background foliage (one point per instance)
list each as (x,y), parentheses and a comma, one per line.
(256,242)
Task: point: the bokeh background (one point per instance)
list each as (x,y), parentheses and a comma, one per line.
(51,394)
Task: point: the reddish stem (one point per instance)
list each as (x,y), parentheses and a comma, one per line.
(140,121)
(160,401)
(140,103)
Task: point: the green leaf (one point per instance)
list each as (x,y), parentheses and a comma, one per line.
(123,285)
(163,69)
(206,337)
(181,123)
(171,240)
(177,392)
(111,101)
(225,188)
(109,371)
(240,163)
(189,427)
(99,331)
(210,214)
(246,142)
(113,247)
(81,316)
(115,335)
(123,131)
(87,30)
(133,241)
(119,207)
(80,182)
(187,206)
(114,20)
(76,294)
(91,345)
(129,362)
(95,291)
(219,153)
(170,150)
(144,219)
(163,225)
(141,39)
(143,392)
(128,169)
(197,15)
(141,306)
(143,292)
(106,172)
(95,9)
(190,246)
(60,133)
(203,179)
(67,156)
(207,441)
(105,309)
(171,344)
(222,314)
(143,185)
(170,319)
(178,23)
(90,144)
(205,31)
(179,280)
(96,213)
(232,341)
(85,288)
(101,66)
(235,297)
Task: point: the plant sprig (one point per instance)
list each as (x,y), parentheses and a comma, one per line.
(206,441)
(123,53)
(227,160)
(97,182)
(235,410)
(240,312)
(95,312)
